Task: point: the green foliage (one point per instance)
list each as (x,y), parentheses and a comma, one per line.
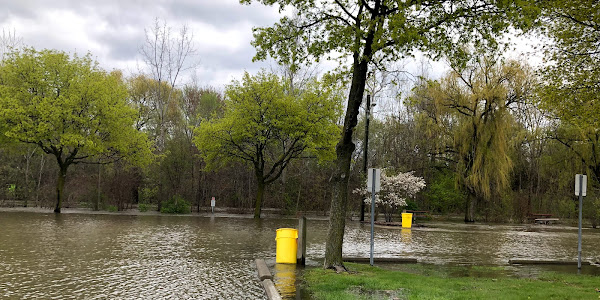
(571,87)
(443,195)
(175,205)
(388,29)
(266,125)
(143,207)
(148,194)
(468,114)
(261,120)
(69,107)
(112,208)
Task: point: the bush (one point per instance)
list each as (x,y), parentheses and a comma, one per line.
(443,195)
(112,208)
(143,207)
(176,205)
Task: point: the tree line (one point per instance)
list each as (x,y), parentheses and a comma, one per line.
(494,139)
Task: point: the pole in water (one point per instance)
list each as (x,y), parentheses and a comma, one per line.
(372,215)
(212,205)
(580,217)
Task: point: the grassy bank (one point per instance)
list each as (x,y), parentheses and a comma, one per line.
(366,282)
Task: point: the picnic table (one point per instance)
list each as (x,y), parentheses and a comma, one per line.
(420,213)
(543,218)
(546,221)
(537,216)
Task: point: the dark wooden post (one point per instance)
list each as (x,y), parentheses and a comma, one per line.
(301,254)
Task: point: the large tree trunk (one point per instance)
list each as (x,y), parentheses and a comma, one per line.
(344,150)
(260,192)
(337,212)
(60,186)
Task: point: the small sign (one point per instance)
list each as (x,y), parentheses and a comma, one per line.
(213,202)
(583,184)
(377,174)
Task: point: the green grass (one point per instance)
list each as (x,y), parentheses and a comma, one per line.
(366,282)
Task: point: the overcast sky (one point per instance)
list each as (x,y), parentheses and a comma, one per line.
(113,31)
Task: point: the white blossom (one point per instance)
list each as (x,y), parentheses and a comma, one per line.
(394,191)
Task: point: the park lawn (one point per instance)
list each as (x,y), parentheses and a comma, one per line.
(366,282)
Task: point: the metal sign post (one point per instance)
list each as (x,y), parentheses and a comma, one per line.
(213,203)
(374,185)
(580,190)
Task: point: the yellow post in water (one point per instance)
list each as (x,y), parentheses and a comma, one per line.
(287,245)
(406,220)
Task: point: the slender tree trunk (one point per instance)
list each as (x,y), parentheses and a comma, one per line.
(97,201)
(260,191)
(27,158)
(39,183)
(60,186)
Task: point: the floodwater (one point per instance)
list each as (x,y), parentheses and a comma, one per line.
(81,256)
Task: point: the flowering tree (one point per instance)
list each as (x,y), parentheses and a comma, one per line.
(394,191)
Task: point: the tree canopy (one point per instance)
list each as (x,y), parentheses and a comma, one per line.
(266,127)
(69,108)
(368,33)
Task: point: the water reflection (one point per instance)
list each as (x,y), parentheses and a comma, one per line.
(406,236)
(285,279)
(70,256)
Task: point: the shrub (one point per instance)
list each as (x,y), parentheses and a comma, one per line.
(175,205)
(143,207)
(112,208)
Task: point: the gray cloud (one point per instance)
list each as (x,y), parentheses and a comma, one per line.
(113,30)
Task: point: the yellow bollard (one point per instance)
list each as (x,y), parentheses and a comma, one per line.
(406,220)
(287,245)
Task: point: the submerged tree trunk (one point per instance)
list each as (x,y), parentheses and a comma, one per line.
(470,208)
(39,182)
(260,192)
(60,186)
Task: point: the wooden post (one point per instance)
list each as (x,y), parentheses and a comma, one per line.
(301,254)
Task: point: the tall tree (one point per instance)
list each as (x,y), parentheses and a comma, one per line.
(571,79)
(166,57)
(473,107)
(357,31)
(266,128)
(70,108)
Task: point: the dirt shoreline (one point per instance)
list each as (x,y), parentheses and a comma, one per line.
(205,213)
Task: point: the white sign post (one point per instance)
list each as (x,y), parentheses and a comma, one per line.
(213,203)
(580,190)
(373,185)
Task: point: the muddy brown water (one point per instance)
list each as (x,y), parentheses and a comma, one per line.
(84,256)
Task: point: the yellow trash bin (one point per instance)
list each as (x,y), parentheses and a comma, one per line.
(406,220)
(287,245)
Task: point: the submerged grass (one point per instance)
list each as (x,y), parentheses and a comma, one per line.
(366,282)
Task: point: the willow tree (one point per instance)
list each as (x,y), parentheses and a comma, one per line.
(266,127)
(470,108)
(69,108)
(360,32)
